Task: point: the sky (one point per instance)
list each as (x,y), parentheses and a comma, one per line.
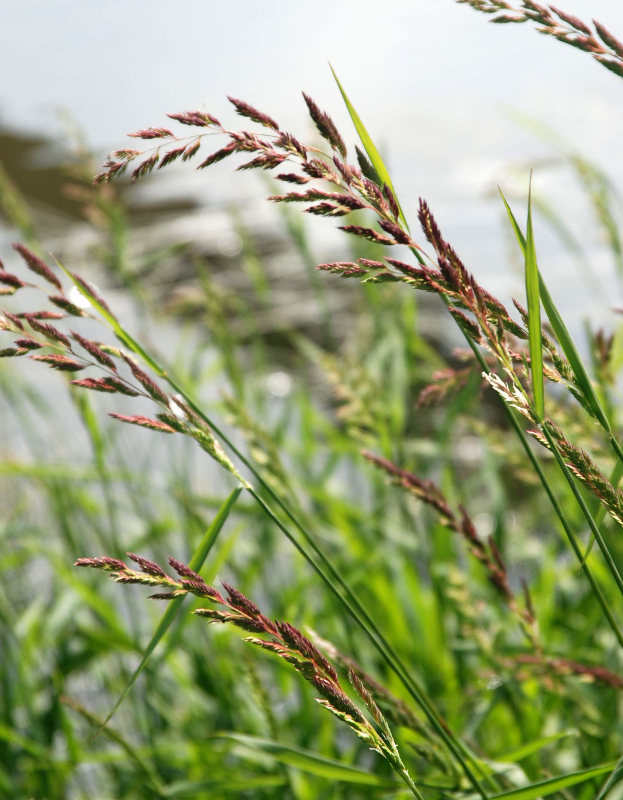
(439,88)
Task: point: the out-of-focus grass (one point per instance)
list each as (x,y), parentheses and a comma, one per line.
(205,720)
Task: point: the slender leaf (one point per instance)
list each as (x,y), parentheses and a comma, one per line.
(174,606)
(369,146)
(530,748)
(534,314)
(582,379)
(307,761)
(207,788)
(551,785)
(615,777)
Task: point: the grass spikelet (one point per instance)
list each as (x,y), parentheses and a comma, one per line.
(246,110)
(171,155)
(198,119)
(150,567)
(8,279)
(219,155)
(367,233)
(66,305)
(49,331)
(28,344)
(60,362)
(95,350)
(96,384)
(147,133)
(326,126)
(37,266)
(146,382)
(144,422)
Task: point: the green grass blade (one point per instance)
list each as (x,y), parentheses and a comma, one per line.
(534,315)
(369,146)
(615,777)
(566,342)
(582,379)
(325,569)
(191,790)
(174,606)
(557,784)
(307,761)
(526,750)
(129,749)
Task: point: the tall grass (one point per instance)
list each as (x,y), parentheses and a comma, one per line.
(423,521)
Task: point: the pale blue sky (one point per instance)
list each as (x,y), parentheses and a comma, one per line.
(120,65)
(433,80)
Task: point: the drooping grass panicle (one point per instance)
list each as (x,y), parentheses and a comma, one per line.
(172,416)
(602,45)
(280,638)
(487,553)
(584,468)
(36,265)
(482,318)
(356,190)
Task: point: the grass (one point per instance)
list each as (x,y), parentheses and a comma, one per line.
(416,526)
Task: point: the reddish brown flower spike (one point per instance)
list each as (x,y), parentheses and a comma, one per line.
(219,155)
(245,110)
(36,265)
(63,363)
(49,331)
(28,344)
(197,118)
(146,382)
(151,133)
(150,567)
(11,280)
(91,293)
(144,422)
(367,233)
(396,231)
(240,602)
(66,305)
(185,571)
(95,351)
(326,126)
(102,562)
(291,177)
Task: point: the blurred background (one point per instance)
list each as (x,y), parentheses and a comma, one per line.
(303,369)
(450,99)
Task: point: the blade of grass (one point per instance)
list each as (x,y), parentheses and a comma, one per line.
(583,382)
(175,606)
(307,761)
(223,786)
(615,479)
(534,314)
(615,777)
(551,785)
(331,576)
(588,392)
(151,777)
(368,145)
(526,750)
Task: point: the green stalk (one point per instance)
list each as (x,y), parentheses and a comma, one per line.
(585,386)
(361,616)
(352,604)
(591,522)
(553,500)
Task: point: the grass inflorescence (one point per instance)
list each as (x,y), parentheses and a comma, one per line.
(478,651)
